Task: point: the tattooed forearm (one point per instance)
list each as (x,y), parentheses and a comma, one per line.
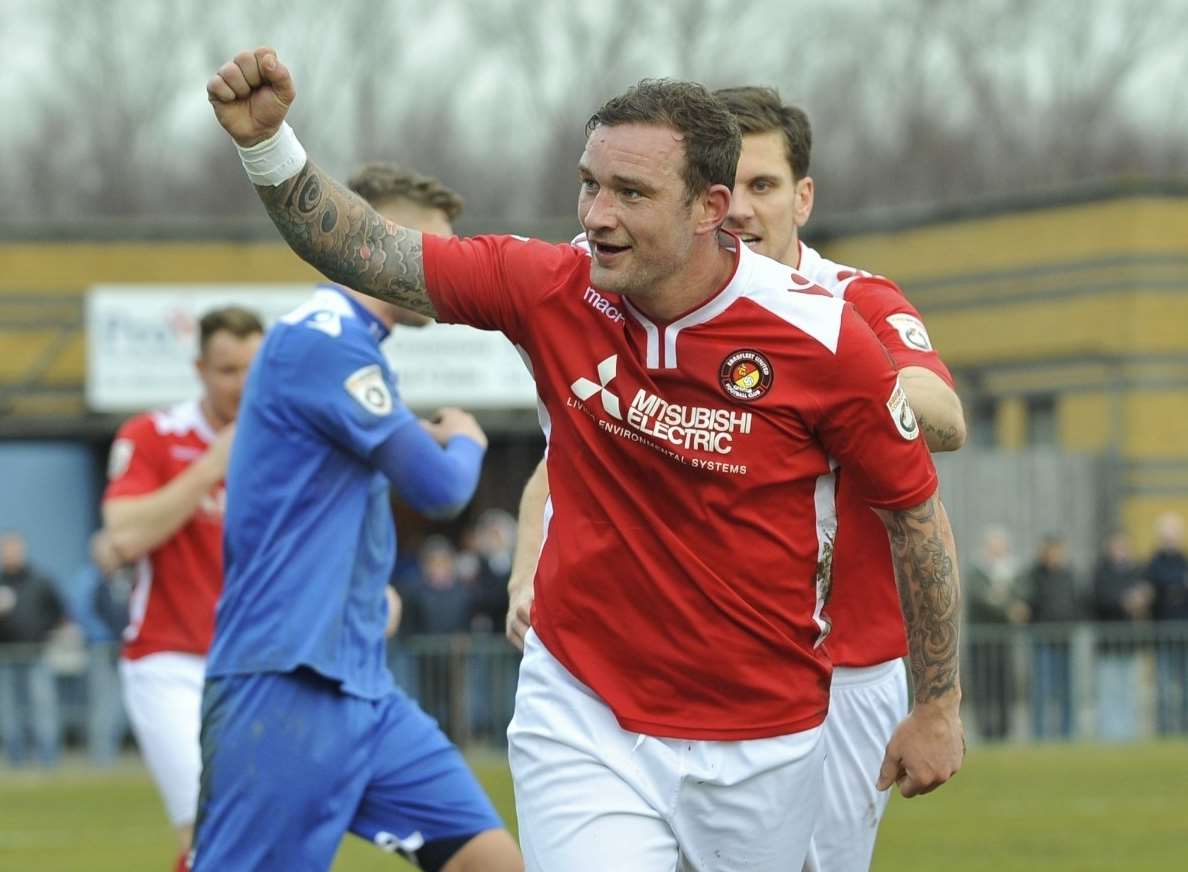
(347,240)
(925,560)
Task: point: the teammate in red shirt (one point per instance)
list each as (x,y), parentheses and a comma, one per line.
(773,198)
(696,406)
(163,510)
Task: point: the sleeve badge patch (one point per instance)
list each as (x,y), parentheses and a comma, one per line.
(369,389)
(901,413)
(911,331)
(120,458)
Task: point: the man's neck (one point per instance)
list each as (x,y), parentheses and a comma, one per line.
(791,255)
(213,420)
(706,273)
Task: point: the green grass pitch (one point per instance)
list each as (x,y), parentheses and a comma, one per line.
(1049,808)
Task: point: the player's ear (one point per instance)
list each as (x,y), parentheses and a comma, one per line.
(714,204)
(805,191)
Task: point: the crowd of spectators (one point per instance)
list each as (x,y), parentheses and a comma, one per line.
(58,638)
(1122,596)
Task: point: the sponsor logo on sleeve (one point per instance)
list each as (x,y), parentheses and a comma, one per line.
(369,389)
(120,458)
(745,375)
(902,414)
(911,331)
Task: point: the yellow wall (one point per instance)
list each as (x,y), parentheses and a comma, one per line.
(1086,303)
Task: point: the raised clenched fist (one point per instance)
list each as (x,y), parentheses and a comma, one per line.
(251,95)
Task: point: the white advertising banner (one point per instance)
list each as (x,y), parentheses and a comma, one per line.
(142,341)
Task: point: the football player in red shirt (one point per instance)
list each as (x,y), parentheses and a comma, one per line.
(163,511)
(772,199)
(697,405)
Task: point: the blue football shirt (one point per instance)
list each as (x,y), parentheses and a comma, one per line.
(309,538)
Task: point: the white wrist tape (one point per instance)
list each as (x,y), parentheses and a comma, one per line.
(275,160)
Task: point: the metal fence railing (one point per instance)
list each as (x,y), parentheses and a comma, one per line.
(1110,682)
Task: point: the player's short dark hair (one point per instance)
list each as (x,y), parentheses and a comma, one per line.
(760,110)
(236,320)
(711,135)
(379,182)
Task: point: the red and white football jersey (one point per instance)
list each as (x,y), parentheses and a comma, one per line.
(178,583)
(691,466)
(867,619)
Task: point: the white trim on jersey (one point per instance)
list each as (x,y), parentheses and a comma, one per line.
(181,419)
(652,331)
(825,272)
(825,508)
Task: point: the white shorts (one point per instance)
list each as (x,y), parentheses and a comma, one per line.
(592,797)
(163,695)
(865,707)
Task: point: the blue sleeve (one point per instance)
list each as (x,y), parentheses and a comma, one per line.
(437,482)
(346,390)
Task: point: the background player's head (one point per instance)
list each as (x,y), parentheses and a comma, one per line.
(227,341)
(655,182)
(773,192)
(1169,532)
(13,553)
(410,200)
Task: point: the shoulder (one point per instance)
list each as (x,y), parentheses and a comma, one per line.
(792,302)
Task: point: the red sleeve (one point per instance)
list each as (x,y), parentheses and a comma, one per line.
(135,465)
(866,424)
(896,322)
(493,282)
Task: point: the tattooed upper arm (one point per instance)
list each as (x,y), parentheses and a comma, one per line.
(347,240)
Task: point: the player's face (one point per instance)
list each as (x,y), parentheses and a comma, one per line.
(414,216)
(769,206)
(223,369)
(633,207)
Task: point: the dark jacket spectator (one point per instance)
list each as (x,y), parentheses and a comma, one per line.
(1168,570)
(1052,586)
(439,602)
(30,607)
(1119,591)
(991,583)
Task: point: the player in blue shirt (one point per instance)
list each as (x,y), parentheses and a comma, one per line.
(304,734)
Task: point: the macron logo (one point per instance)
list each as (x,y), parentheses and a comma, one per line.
(603,305)
(584,388)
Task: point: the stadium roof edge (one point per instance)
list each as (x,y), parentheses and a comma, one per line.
(895,219)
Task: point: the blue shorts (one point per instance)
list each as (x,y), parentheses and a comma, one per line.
(290,763)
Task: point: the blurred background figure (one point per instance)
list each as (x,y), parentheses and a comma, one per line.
(437,603)
(1120,598)
(1168,574)
(493,541)
(993,602)
(30,611)
(98,602)
(1052,598)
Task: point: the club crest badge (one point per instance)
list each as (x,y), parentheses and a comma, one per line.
(745,375)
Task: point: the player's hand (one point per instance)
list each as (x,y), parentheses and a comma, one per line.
(251,94)
(450,421)
(926,749)
(395,610)
(218,455)
(520,593)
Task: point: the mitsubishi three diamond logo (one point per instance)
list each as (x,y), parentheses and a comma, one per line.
(584,388)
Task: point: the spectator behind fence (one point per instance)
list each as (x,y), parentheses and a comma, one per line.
(494,542)
(1052,598)
(1168,574)
(993,599)
(30,611)
(1120,596)
(99,598)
